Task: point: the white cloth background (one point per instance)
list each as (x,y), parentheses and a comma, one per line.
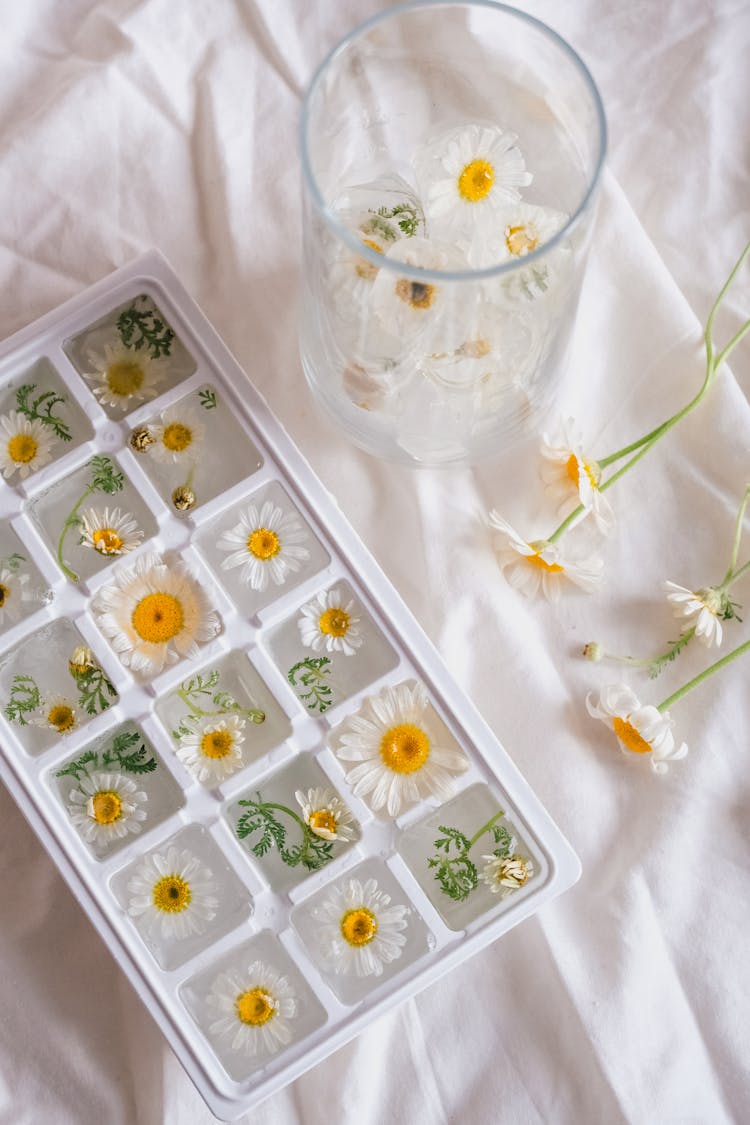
(131,123)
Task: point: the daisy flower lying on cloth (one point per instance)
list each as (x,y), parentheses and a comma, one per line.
(540,565)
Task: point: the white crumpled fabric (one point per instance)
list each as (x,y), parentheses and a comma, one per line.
(131,123)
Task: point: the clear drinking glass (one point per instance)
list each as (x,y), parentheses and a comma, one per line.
(440,279)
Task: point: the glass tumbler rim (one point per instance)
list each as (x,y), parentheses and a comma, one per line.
(401,268)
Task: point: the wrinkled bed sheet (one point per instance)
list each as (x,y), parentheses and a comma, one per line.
(127,124)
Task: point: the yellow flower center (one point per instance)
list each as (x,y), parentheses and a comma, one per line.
(107,541)
(61,717)
(255,1007)
(358,926)
(322,819)
(521,239)
(172,894)
(216,743)
(157,618)
(124,378)
(572,471)
(105,807)
(537,560)
(334,622)
(417,294)
(177,437)
(263,543)
(405,748)
(630,737)
(22,448)
(475,349)
(4,591)
(476,180)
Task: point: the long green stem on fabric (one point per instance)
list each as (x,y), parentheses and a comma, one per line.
(704,675)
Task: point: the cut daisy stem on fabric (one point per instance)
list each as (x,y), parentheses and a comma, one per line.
(702,611)
(640,447)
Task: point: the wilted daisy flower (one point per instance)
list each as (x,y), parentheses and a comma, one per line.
(394,740)
(700,609)
(468,175)
(105,807)
(122,377)
(153,614)
(25,445)
(505,874)
(532,567)
(639,729)
(266,543)
(13,593)
(351,276)
(328,622)
(59,714)
(325,814)
(358,931)
(408,306)
(213,749)
(178,436)
(572,478)
(254,1009)
(110,531)
(174,894)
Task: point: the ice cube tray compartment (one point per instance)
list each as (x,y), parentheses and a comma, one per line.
(259,891)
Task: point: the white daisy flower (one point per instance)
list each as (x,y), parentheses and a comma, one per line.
(325,814)
(110,531)
(59,714)
(213,750)
(328,622)
(519,229)
(572,478)
(639,729)
(153,614)
(358,931)
(700,609)
(13,593)
(400,759)
(406,306)
(105,807)
(173,893)
(351,276)
(122,377)
(178,436)
(25,445)
(254,1007)
(532,567)
(503,875)
(267,544)
(467,176)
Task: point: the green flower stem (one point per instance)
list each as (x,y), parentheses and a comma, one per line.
(306,830)
(253,713)
(643,444)
(730,574)
(485,828)
(704,675)
(71,521)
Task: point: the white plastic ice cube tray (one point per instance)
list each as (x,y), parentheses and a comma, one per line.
(332,1009)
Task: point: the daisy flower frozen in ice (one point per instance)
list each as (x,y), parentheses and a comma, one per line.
(213,749)
(532,567)
(639,729)
(505,874)
(121,377)
(699,609)
(177,437)
(13,593)
(407,306)
(266,543)
(572,478)
(358,931)
(254,1009)
(521,229)
(325,814)
(399,757)
(329,622)
(173,893)
(468,175)
(153,614)
(105,807)
(351,276)
(59,714)
(110,531)
(25,445)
